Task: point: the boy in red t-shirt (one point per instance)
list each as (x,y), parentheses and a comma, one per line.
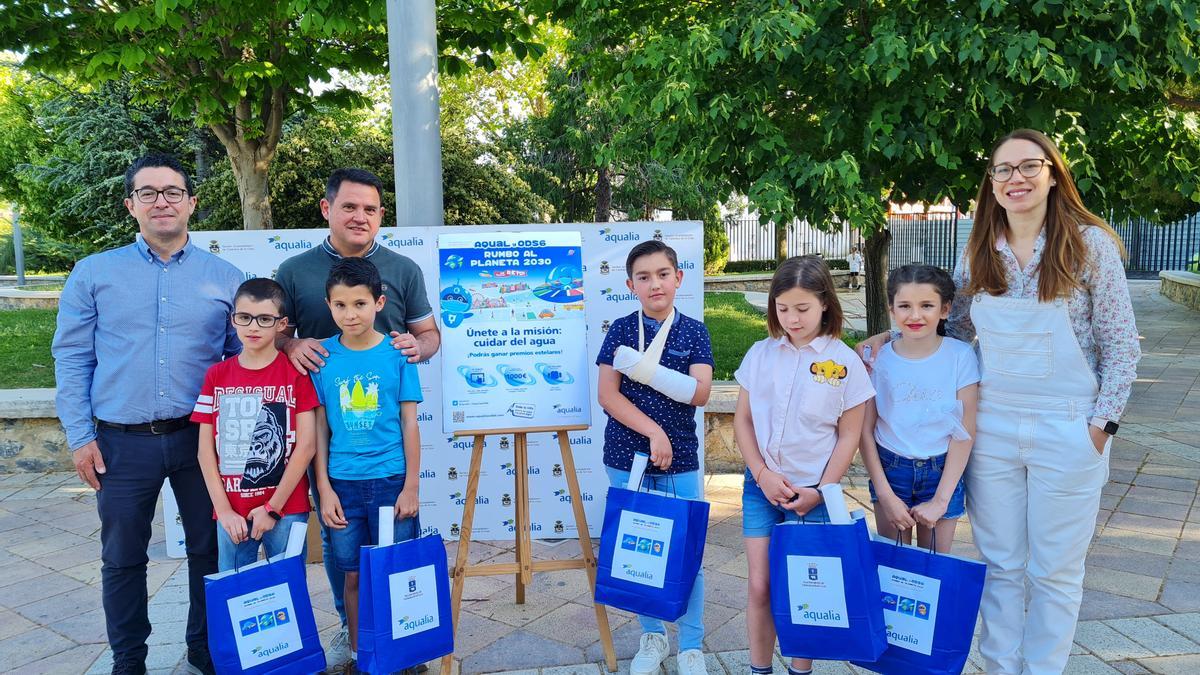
(257,433)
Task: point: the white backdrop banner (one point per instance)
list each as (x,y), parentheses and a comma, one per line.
(445,460)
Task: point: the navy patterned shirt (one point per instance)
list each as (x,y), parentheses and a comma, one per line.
(688,343)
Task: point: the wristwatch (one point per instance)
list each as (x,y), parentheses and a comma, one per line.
(271,511)
(1107,426)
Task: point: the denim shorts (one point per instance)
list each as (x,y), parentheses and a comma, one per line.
(361,500)
(759,515)
(915,481)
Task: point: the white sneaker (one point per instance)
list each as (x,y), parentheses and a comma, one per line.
(338,654)
(691,662)
(652,650)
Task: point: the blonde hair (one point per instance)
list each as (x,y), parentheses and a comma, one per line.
(810,273)
(1065,251)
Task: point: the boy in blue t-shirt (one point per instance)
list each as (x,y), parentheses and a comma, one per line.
(368,445)
(651,410)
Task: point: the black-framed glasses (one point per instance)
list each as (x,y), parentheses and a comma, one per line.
(263,320)
(149,195)
(1002,173)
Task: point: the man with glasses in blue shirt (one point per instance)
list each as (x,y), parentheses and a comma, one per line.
(138,326)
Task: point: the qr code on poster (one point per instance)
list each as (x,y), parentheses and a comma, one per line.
(459,417)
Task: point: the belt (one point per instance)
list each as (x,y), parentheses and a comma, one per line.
(156,427)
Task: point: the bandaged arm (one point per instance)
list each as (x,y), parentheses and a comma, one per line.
(639,368)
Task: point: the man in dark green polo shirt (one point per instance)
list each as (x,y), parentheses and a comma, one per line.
(353,207)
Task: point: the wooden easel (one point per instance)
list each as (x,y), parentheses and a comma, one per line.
(525,566)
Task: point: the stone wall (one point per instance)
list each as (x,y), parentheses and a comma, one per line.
(761,283)
(1181,287)
(11,298)
(31,438)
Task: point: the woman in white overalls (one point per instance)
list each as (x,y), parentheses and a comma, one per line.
(1042,285)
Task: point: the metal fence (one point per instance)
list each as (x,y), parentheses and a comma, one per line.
(751,240)
(937,239)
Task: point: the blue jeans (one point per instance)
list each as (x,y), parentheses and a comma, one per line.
(337,578)
(759,515)
(232,556)
(361,500)
(688,485)
(137,463)
(915,481)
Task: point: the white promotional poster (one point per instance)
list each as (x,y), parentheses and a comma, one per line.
(172,523)
(817,591)
(414,597)
(444,458)
(909,608)
(264,625)
(642,547)
(512,315)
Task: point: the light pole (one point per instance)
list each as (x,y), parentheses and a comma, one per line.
(416,135)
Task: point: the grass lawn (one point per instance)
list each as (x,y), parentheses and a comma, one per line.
(25,348)
(25,340)
(734,325)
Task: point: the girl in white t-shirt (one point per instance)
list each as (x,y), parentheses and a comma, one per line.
(918,430)
(799,416)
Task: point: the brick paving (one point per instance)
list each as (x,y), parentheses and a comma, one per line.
(1141,608)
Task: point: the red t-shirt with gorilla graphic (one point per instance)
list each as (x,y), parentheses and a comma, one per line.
(253,415)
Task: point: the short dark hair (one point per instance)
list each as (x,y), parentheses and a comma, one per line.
(352,272)
(937,277)
(155,160)
(350,174)
(810,273)
(646,248)
(260,289)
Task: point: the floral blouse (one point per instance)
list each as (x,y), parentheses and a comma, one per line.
(1101,313)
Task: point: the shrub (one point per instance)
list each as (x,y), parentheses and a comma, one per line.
(716,242)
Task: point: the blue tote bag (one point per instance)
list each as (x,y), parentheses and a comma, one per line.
(404,615)
(825,592)
(260,619)
(651,548)
(930,601)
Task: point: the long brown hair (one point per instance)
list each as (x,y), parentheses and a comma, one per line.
(1065,251)
(812,274)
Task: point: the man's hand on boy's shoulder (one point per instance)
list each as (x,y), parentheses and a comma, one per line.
(306,354)
(408,345)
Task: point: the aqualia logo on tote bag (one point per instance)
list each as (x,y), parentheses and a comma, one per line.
(817,591)
(414,601)
(909,608)
(641,549)
(264,625)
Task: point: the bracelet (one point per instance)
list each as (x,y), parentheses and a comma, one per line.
(760,471)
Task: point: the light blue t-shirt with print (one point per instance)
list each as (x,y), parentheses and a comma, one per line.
(362,392)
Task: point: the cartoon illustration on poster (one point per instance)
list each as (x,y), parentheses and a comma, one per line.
(511,304)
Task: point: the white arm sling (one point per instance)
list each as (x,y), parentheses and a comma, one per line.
(643,366)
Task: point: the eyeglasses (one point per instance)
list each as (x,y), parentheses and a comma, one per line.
(148,195)
(263,320)
(1002,173)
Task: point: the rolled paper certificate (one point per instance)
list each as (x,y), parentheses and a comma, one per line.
(835,504)
(636,471)
(387,525)
(296,537)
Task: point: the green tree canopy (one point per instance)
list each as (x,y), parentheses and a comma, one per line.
(827,110)
(241,67)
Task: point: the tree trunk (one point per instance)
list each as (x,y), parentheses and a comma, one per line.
(251,175)
(875,267)
(603,195)
(781,237)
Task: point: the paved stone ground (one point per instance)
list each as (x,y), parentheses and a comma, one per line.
(1141,610)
